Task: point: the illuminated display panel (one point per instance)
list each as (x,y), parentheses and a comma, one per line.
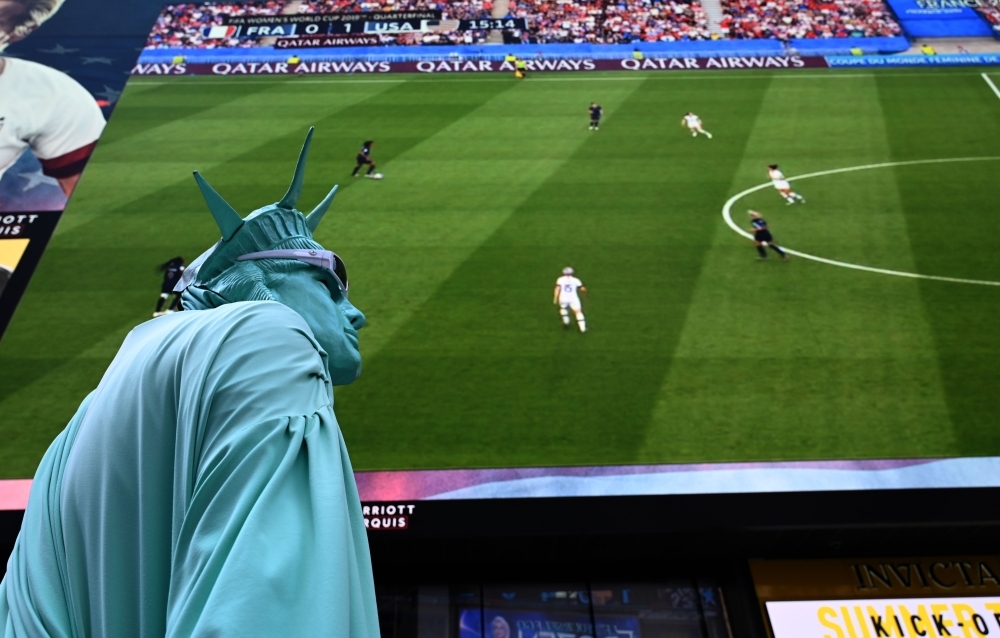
(866,361)
(669,609)
(909,617)
(898,596)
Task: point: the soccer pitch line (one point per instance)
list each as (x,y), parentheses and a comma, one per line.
(996,91)
(727,216)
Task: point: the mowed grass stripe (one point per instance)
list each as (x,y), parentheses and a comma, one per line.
(951,217)
(484,375)
(444,197)
(158,213)
(122,244)
(150,169)
(802,360)
(803,351)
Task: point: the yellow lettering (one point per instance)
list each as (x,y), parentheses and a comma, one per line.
(894,625)
(848,623)
(941,623)
(823,613)
(862,621)
(963,614)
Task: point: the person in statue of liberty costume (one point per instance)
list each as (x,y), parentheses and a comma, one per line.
(204,489)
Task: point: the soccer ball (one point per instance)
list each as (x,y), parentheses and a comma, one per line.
(377,176)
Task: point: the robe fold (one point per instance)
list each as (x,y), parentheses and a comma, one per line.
(203,489)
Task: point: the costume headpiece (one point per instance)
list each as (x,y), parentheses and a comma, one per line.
(274,227)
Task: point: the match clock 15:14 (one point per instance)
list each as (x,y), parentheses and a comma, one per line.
(486,24)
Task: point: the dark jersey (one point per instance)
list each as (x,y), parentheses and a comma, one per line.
(760,231)
(596,112)
(363,155)
(171,276)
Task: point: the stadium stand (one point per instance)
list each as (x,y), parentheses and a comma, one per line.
(570,21)
(991,15)
(553,21)
(437,38)
(788,19)
(180,25)
(627,21)
(454,10)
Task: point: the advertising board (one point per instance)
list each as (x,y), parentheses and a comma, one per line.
(936,9)
(481,66)
(944,18)
(899,596)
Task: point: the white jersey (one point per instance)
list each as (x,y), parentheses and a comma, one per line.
(778,179)
(568,289)
(692,121)
(50,113)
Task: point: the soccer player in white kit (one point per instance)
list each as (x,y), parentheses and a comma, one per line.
(783,187)
(567,297)
(42,109)
(693,122)
(48,112)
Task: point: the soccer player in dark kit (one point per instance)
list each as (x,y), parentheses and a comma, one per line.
(363,158)
(172,271)
(762,237)
(595,116)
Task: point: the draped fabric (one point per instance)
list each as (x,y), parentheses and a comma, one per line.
(203,489)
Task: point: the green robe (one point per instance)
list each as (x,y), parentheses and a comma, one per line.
(203,489)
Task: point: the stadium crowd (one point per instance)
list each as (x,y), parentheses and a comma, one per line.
(787,19)
(437,37)
(181,25)
(654,20)
(992,15)
(577,21)
(560,20)
(454,10)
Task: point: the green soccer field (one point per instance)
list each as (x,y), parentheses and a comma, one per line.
(695,350)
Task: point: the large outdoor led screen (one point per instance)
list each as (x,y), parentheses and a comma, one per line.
(856,349)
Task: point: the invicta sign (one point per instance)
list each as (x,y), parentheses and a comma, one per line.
(871,598)
(940,574)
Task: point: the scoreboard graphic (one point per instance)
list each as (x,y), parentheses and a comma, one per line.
(331,24)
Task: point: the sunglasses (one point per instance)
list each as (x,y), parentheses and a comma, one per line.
(325,259)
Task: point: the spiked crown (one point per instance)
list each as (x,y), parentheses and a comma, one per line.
(276,226)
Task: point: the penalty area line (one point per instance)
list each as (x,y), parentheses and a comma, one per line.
(727,216)
(996,91)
